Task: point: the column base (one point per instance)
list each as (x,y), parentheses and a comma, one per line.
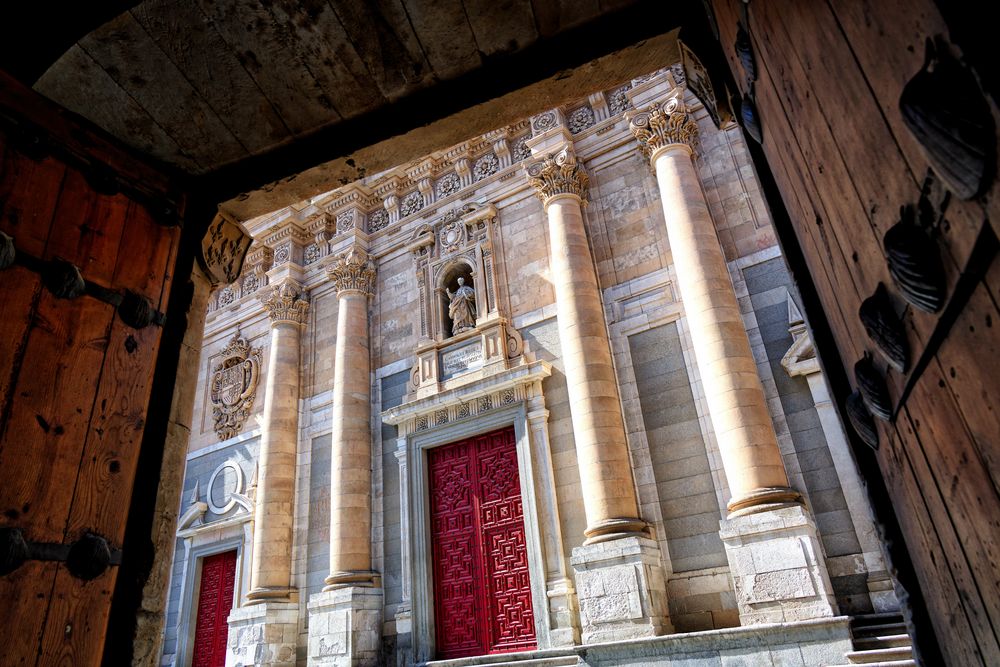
(622,590)
(263,634)
(273,593)
(345,627)
(352,578)
(777,566)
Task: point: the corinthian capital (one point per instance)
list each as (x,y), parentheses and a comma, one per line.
(557,174)
(663,124)
(285,303)
(353,270)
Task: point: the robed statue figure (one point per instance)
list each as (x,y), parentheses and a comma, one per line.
(462,307)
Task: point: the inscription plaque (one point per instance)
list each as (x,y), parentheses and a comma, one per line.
(461,360)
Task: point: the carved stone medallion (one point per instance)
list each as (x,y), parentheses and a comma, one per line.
(234,386)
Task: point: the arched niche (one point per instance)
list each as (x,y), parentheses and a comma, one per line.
(448,282)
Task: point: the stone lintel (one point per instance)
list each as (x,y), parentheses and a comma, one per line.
(345,627)
(264,633)
(621,589)
(778,568)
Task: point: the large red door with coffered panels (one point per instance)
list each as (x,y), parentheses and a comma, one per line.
(482,591)
(215,601)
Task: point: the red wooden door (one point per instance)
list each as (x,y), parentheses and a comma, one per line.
(215,600)
(482,591)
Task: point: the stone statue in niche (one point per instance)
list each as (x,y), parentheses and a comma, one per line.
(462,308)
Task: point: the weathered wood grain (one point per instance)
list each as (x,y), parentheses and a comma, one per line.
(446,36)
(501,26)
(26,592)
(130,56)
(87,229)
(193,44)
(264,51)
(385,41)
(323,46)
(77,619)
(939,584)
(28,194)
(114,109)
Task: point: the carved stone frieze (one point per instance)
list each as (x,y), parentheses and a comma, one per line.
(485,166)
(234,386)
(378,219)
(353,270)
(580,119)
(557,174)
(662,125)
(448,184)
(285,303)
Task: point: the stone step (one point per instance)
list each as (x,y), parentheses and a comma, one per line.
(880,655)
(881,629)
(876,641)
(890,663)
(508,660)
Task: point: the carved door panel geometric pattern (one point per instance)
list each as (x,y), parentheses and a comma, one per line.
(482,593)
(215,601)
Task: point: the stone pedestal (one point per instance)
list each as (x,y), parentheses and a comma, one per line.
(263,634)
(345,627)
(777,566)
(622,590)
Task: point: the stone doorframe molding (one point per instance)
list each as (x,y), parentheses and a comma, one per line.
(510,398)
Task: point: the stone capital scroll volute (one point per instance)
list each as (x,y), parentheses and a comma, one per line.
(353,271)
(663,124)
(286,303)
(557,174)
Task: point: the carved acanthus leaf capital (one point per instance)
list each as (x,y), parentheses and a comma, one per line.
(353,270)
(285,303)
(662,125)
(557,174)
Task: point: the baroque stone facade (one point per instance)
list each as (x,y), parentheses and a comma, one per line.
(679,465)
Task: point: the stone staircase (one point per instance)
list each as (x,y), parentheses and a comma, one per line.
(525,659)
(880,640)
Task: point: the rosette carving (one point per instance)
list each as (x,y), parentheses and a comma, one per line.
(353,270)
(557,174)
(285,303)
(662,125)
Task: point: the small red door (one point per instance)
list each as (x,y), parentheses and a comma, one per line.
(215,601)
(482,592)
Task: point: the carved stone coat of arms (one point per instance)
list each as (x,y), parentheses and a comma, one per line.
(234,386)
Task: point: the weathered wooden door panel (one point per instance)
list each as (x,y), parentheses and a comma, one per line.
(827,95)
(75,384)
(482,590)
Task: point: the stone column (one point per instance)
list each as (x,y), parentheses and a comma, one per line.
(271,571)
(770,538)
(620,581)
(266,628)
(345,619)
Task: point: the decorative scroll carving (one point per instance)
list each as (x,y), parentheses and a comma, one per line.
(663,125)
(557,174)
(234,386)
(353,270)
(285,303)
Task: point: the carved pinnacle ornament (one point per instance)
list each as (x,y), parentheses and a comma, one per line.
(557,174)
(353,270)
(662,125)
(285,303)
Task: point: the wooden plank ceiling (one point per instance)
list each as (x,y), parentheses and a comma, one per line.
(200,84)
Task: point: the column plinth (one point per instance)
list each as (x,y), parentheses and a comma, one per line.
(616,538)
(271,565)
